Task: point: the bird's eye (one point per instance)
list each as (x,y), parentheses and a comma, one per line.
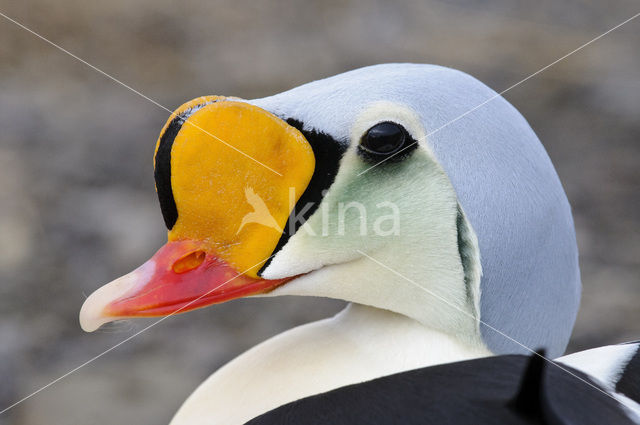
(384,138)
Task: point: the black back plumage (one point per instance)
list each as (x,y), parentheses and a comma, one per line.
(509,390)
(629,380)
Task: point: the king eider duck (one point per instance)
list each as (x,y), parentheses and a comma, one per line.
(445,227)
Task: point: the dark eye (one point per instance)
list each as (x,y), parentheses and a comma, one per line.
(386,141)
(384,138)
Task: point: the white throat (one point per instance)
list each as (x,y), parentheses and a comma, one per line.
(358,344)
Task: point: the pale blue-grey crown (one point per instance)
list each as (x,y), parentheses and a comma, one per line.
(504,180)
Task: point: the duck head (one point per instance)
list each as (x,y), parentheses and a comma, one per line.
(377,186)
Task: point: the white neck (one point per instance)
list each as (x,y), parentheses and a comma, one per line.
(358,344)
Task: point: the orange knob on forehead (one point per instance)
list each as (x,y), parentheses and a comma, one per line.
(222,162)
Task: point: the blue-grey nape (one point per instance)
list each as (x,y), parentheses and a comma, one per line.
(504,179)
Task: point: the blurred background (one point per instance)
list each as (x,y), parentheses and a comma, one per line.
(77,201)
